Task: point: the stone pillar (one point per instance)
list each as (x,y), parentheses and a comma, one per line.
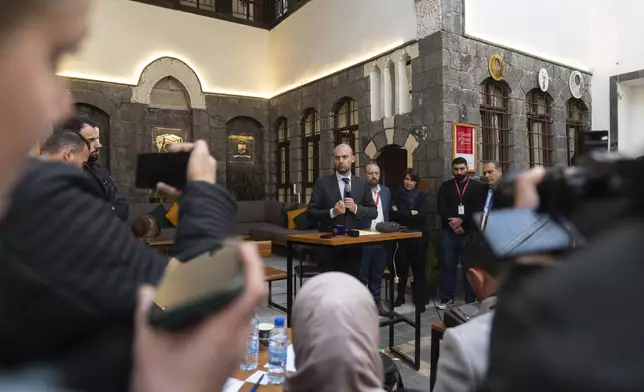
(376,100)
(389,89)
(404,100)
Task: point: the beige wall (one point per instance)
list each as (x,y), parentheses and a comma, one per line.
(126,36)
(326,36)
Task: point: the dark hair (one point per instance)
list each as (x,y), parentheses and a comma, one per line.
(60,140)
(143,225)
(413,175)
(459,161)
(495,163)
(75,124)
(477,254)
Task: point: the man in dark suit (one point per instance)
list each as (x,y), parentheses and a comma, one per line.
(341,199)
(374,257)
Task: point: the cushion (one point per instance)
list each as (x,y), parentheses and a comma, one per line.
(159,214)
(250,211)
(291,217)
(173,215)
(273,212)
(302,221)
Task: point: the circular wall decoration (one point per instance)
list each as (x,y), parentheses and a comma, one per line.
(544,80)
(496,66)
(577,84)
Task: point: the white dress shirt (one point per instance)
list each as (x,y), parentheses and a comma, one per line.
(381,214)
(341,186)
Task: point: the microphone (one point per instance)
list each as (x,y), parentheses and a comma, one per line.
(347,190)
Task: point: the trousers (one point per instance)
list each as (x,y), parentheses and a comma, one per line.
(372,267)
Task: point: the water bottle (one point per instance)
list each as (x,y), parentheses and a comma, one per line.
(277,347)
(252,354)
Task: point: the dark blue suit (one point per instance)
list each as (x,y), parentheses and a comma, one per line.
(374,257)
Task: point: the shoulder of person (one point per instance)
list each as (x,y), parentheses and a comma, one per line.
(474,334)
(46,177)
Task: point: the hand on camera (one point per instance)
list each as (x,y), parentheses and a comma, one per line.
(526,194)
(201,166)
(202,358)
(339,208)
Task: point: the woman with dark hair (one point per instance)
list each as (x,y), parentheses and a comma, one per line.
(409,208)
(145,229)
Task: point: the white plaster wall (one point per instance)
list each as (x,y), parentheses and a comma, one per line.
(557,30)
(126,36)
(326,36)
(631,119)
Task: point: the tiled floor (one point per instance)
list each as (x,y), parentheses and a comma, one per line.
(403,333)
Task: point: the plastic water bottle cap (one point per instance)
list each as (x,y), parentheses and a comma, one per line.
(279,321)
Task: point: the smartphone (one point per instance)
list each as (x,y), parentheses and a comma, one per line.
(167,167)
(523,231)
(194,290)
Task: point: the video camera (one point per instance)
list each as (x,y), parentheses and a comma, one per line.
(576,203)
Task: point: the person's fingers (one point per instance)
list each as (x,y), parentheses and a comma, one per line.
(526,193)
(145,299)
(179,147)
(168,191)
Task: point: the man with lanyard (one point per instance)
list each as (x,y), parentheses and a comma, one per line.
(458,200)
(374,257)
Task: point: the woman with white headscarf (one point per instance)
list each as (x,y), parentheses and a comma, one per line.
(335,337)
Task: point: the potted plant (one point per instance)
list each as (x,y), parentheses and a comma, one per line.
(156,197)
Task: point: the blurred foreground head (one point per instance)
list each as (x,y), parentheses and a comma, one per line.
(34,37)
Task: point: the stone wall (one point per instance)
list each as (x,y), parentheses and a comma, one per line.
(131,124)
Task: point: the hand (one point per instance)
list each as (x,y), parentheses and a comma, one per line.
(459,231)
(455,223)
(202,358)
(201,166)
(394,208)
(339,208)
(414,212)
(350,204)
(526,194)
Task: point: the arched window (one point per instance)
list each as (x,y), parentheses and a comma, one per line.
(495,122)
(283,147)
(576,122)
(346,126)
(311,146)
(539,114)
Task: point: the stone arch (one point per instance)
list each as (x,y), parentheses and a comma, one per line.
(343,91)
(97,100)
(162,68)
(393,136)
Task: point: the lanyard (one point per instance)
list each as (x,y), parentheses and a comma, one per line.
(486,208)
(458,190)
(377,198)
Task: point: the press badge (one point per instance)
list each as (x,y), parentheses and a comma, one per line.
(461,209)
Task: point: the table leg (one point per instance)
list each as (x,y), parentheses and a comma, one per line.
(417,340)
(289,281)
(391,299)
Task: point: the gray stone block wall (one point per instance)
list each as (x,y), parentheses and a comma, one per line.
(131,126)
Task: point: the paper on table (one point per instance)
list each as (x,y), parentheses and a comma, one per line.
(232,385)
(368,232)
(256,376)
(290,359)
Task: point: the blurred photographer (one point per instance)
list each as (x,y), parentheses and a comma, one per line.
(547,334)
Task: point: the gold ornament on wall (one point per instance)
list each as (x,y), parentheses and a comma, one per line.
(496,66)
(163,141)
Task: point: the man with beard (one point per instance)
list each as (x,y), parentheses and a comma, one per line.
(458,199)
(90,132)
(374,257)
(341,199)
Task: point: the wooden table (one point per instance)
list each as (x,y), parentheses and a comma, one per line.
(315,240)
(263,359)
(438,329)
(263,247)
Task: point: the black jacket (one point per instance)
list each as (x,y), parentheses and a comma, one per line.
(108,190)
(448,201)
(326,193)
(552,333)
(70,270)
(404,216)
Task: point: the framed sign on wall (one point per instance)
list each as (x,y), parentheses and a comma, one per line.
(464,144)
(241,148)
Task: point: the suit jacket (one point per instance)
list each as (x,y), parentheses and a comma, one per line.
(326,193)
(462,365)
(108,190)
(385,198)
